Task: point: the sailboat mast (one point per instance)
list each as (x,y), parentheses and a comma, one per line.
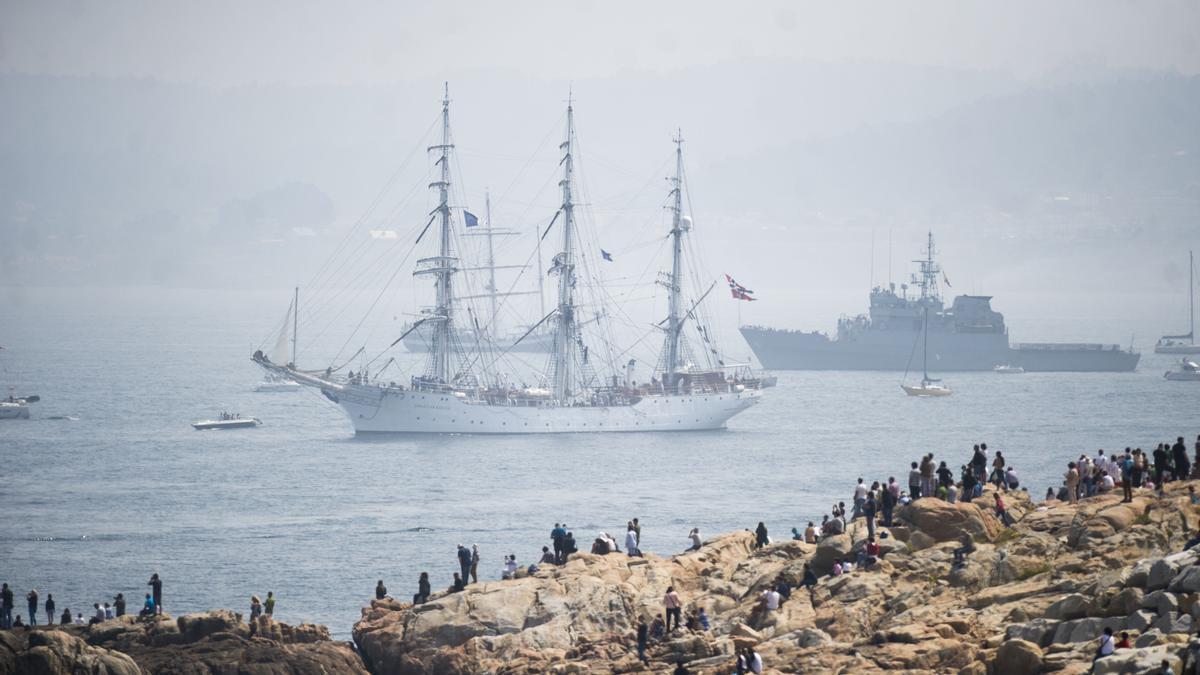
(491,261)
(564,339)
(1191,296)
(925,349)
(675,320)
(295,322)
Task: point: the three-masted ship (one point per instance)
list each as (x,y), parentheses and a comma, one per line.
(691,389)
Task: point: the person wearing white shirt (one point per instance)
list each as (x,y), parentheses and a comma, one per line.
(694,535)
(631,543)
(79,619)
(109,612)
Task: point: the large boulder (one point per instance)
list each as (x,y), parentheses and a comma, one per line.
(1018,657)
(1143,660)
(944,521)
(52,652)
(1073,606)
(837,547)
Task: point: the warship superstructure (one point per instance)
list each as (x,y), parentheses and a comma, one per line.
(967,335)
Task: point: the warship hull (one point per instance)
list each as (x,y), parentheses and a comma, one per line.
(948,352)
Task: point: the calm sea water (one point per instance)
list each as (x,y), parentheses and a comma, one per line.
(302,507)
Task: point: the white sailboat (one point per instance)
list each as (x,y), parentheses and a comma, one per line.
(273,381)
(1183,344)
(459,393)
(928,386)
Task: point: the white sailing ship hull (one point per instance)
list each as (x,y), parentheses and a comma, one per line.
(383,410)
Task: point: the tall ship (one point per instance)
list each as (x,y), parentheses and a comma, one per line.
(967,335)
(585,386)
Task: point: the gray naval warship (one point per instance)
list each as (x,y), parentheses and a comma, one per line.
(968,335)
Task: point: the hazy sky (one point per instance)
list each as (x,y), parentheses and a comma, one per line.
(228,43)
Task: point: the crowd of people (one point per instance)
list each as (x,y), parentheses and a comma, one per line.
(152,607)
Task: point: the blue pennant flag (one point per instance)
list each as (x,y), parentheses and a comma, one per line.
(471,218)
(606,255)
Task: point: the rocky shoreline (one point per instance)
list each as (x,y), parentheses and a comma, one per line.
(1033,597)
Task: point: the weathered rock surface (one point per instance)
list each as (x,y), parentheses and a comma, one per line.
(1032,598)
(210,642)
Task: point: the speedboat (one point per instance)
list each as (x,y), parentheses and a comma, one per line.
(1189,371)
(16,407)
(227,421)
(276,383)
(1008,370)
(927,388)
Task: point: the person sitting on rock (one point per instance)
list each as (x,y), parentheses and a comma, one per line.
(694,535)
(837,568)
(810,533)
(380,590)
(510,567)
(568,547)
(548,556)
(1124,642)
(810,578)
(422,595)
(18,623)
(1010,478)
(658,628)
(1193,542)
(79,619)
(65,619)
(702,619)
(967,548)
(868,555)
(691,624)
(458,584)
(1106,645)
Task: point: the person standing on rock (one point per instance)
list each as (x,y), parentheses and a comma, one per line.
(31,598)
(1160,465)
(870,508)
(6,607)
(860,498)
(637,527)
(255,609)
(1002,511)
(269,604)
(474,563)
(888,503)
(643,641)
(760,535)
(1182,468)
(674,607)
(914,482)
(49,605)
(464,561)
(631,542)
(927,469)
(1127,477)
(156,588)
(1072,477)
(979,464)
(557,535)
(119,604)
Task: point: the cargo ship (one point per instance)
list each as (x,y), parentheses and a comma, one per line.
(967,335)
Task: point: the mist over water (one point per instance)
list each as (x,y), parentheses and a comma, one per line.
(302,507)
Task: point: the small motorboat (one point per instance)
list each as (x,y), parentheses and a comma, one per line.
(16,407)
(927,388)
(227,421)
(1006,369)
(276,383)
(1189,371)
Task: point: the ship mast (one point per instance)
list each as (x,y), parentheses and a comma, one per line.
(928,277)
(1191,297)
(491,261)
(564,265)
(441,267)
(674,319)
(295,323)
